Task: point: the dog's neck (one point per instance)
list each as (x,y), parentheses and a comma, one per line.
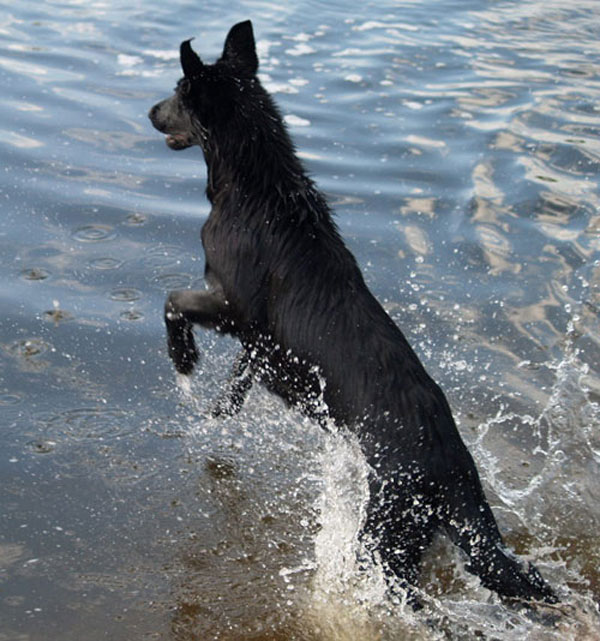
(256,160)
(253,165)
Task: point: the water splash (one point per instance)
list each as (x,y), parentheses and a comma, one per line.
(565,441)
(346,597)
(350,599)
(351,596)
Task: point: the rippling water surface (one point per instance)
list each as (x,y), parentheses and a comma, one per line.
(460,144)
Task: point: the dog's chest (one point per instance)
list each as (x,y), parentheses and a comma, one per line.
(217,253)
(217,239)
(231,253)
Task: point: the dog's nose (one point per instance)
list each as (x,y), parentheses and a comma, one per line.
(155,119)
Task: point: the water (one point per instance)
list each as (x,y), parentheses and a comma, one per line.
(459,143)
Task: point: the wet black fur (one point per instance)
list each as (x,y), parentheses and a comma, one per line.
(281,279)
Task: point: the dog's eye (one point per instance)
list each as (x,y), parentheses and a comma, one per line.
(184,86)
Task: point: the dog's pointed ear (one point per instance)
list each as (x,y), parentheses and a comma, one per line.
(240,48)
(190,62)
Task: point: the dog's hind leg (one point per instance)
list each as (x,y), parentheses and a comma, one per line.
(230,402)
(399,527)
(469,521)
(182,310)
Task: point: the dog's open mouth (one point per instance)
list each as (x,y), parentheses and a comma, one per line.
(178,141)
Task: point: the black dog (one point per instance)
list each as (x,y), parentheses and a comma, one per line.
(281,279)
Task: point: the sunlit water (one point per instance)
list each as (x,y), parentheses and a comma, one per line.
(459,143)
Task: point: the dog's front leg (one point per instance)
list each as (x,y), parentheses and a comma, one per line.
(231,400)
(183,309)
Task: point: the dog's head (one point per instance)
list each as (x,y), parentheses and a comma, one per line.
(207,95)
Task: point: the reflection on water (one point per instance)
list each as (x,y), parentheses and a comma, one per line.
(461,151)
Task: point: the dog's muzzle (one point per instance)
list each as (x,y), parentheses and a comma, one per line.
(175,139)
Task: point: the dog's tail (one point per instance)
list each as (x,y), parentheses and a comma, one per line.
(470,524)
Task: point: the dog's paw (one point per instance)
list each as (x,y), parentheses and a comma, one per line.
(182,349)
(225,406)
(219,410)
(185,362)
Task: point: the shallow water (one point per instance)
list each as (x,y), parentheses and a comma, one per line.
(460,145)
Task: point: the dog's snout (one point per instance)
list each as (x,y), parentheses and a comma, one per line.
(153,115)
(160,115)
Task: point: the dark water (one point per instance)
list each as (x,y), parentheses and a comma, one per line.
(460,144)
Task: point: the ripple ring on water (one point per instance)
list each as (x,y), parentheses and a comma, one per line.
(90,423)
(34,273)
(173,281)
(29,347)
(106,263)
(125,294)
(131,315)
(94,233)
(10,399)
